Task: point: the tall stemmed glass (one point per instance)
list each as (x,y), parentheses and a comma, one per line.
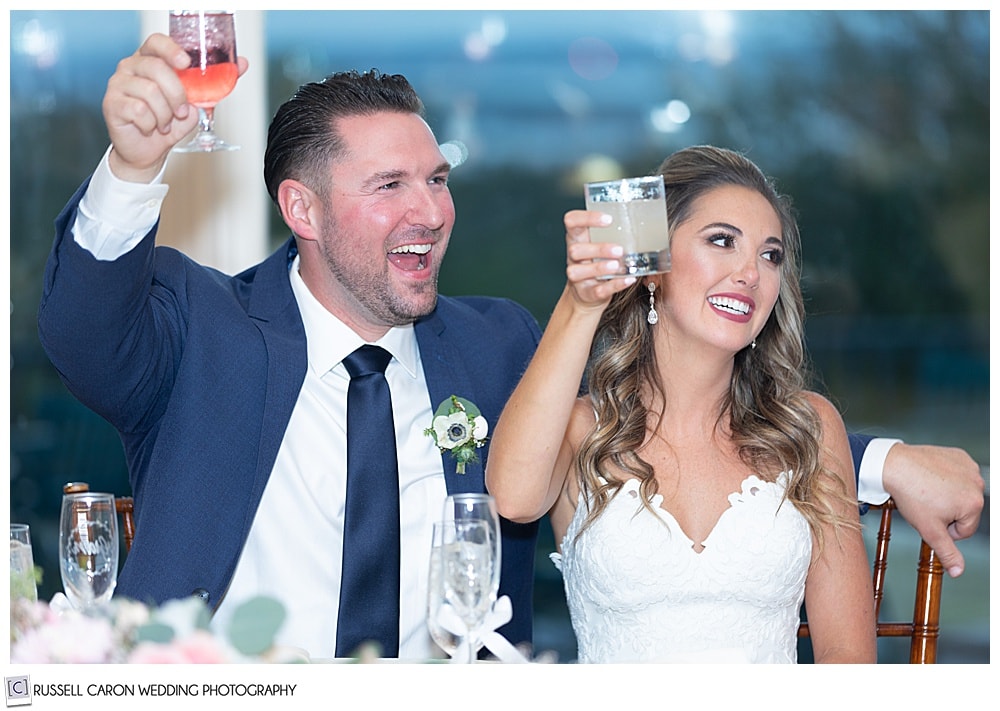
(209,37)
(478,507)
(22,564)
(88,548)
(461,574)
(445,638)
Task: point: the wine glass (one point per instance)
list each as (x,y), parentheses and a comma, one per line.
(478,507)
(209,38)
(88,548)
(462,567)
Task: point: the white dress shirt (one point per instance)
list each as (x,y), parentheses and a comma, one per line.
(296,541)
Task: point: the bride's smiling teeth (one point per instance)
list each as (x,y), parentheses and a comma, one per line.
(734,305)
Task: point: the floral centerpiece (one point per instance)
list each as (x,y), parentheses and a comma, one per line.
(125,631)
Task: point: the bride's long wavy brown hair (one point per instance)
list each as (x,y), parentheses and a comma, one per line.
(772,424)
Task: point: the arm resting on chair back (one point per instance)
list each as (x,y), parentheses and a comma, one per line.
(924,628)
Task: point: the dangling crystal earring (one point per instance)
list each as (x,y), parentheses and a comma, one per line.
(753,344)
(652,316)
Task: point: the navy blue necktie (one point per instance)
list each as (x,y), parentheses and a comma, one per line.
(369,587)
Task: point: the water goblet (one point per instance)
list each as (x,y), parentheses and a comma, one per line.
(88,548)
(209,38)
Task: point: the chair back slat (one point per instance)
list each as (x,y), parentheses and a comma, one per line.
(126,510)
(882,554)
(927,607)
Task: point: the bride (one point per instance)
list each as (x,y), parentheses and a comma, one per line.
(698,492)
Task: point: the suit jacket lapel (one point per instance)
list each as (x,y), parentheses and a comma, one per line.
(447,373)
(272,305)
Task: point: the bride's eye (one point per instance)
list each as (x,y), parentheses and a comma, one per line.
(722,239)
(776,256)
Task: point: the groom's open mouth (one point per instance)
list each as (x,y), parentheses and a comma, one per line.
(410,257)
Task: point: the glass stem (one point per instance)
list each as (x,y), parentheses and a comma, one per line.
(206,119)
(473,647)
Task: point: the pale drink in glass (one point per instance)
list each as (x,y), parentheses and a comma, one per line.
(639,223)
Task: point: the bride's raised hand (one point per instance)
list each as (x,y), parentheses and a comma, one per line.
(587,262)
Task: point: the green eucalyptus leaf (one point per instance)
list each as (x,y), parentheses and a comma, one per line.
(448,406)
(444,409)
(154,632)
(254,625)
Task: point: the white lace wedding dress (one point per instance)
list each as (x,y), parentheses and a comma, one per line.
(638,592)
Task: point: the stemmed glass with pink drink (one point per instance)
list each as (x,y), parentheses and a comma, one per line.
(209,38)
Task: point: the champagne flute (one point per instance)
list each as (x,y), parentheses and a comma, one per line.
(88,548)
(466,562)
(22,564)
(446,639)
(478,507)
(209,38)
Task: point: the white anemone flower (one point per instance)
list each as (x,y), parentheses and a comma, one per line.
(452,430)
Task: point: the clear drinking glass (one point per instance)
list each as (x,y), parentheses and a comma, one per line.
(22,564)
(478,507)
(209,37)
(88,548)
(462,567)
(639,222)
(443,638)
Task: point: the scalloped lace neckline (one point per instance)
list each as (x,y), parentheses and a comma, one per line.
(751,486)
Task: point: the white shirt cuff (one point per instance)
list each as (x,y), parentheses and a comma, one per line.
(115,214)
(870,489)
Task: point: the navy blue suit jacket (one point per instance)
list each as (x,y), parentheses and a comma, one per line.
(199,372)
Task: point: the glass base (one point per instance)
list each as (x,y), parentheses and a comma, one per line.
(205,143)
(640,264)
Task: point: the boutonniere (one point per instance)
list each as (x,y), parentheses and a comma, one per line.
(458,426)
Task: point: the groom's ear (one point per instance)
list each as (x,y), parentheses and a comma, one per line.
(300,208)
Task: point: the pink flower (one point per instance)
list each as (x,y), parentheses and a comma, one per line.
(200,647)
(70,638)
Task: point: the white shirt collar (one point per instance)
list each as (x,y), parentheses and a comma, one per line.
(329,340)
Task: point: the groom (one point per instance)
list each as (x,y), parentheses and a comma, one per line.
(231,393)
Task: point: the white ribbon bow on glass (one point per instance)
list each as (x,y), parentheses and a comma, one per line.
(60,604)
(499,615)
